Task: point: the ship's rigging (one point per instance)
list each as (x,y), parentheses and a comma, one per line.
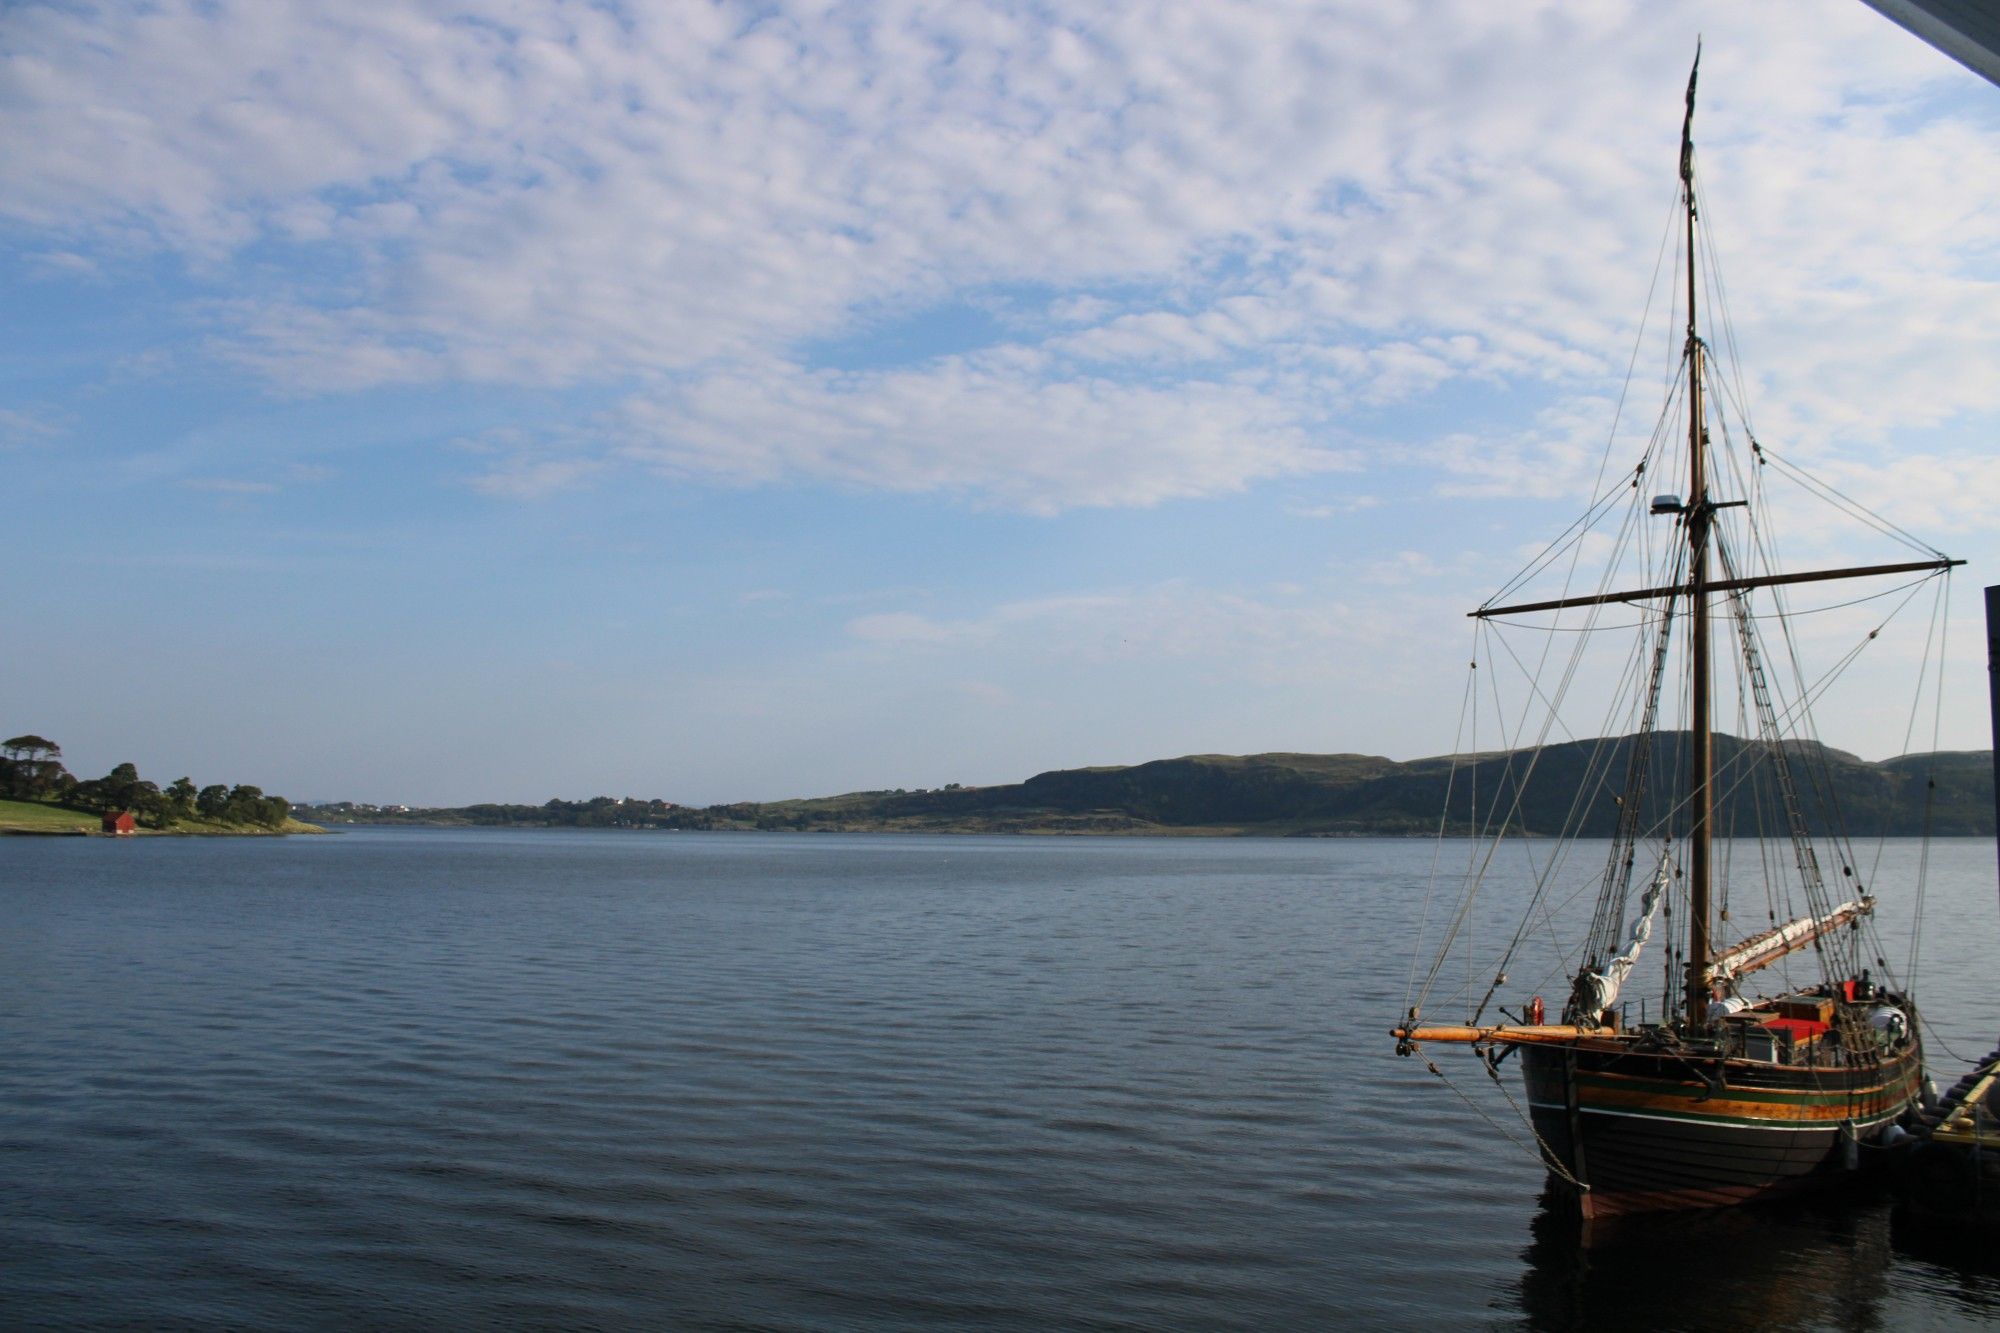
(1689,583)
(1725,553)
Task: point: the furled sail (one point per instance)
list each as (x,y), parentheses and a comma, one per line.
(1597,988)
(1767,948)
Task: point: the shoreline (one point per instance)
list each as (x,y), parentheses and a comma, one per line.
(30,819)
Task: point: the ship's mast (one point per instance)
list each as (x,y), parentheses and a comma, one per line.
(1701,771)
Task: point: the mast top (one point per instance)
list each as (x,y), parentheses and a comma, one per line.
(1687,123)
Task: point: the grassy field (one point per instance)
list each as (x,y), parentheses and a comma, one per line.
(34,817)
(209,828)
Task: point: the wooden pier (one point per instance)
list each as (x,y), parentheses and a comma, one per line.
(1954,1171)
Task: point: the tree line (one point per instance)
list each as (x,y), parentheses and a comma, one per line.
(597,812)
(31,769)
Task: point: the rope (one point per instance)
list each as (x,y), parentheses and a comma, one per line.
(1940,625)
(1466,708)
(1787,768)
(1542,1150)
(1853,507)
(1931,1034)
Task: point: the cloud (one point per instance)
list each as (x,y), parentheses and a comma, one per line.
(230,485)
(1931,494)
(241,492)
(526,477)
(1340,509)
(991,427)
(1272,637)
(1563,452)
(63,264)
(905,628)
(1398,570)
(20,429)
(1246,224)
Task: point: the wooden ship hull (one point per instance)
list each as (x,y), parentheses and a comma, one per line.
(1654,1131)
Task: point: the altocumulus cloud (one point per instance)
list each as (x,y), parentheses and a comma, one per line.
(1277,636)
(1222,233)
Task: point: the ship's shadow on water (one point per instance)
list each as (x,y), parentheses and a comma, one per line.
(1820,1262)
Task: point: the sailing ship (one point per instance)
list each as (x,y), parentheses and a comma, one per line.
(1738,1079)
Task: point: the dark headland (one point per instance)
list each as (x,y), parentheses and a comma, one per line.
(1298,795)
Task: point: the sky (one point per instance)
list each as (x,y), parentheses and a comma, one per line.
(444,402)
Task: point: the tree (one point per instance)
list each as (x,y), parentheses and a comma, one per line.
(90,795)
(245,804)
(149,804)
(111,793)
(31,747)
(122,786)
(31,767)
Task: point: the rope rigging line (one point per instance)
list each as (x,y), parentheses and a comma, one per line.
(1719,294)
(1491,837)
(1422,994)
(1639,339)
(1596,777)
(1467,701)
(1780,775)
(1940,631)
(1494,835)
(1778,761)
(1739,769)
(1798,721)
(1854,508)
(1544,1152)
(1570,540)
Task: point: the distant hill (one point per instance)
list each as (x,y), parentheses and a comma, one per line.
(1326,795)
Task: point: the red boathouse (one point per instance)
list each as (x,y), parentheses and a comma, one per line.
(121,823)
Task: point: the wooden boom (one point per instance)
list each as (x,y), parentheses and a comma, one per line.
(1507,1034)
(1716,585)
(1767,948)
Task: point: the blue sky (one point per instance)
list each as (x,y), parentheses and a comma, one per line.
(445,402)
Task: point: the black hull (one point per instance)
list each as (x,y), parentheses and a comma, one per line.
(1637,1132)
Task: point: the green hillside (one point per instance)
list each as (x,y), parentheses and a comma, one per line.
(1334,794)
(39,817)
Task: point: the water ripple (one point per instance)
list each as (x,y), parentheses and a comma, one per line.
(418,1078)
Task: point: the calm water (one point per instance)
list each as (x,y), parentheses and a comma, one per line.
(406,1078)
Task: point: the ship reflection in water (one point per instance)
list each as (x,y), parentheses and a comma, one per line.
(1849,1262)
